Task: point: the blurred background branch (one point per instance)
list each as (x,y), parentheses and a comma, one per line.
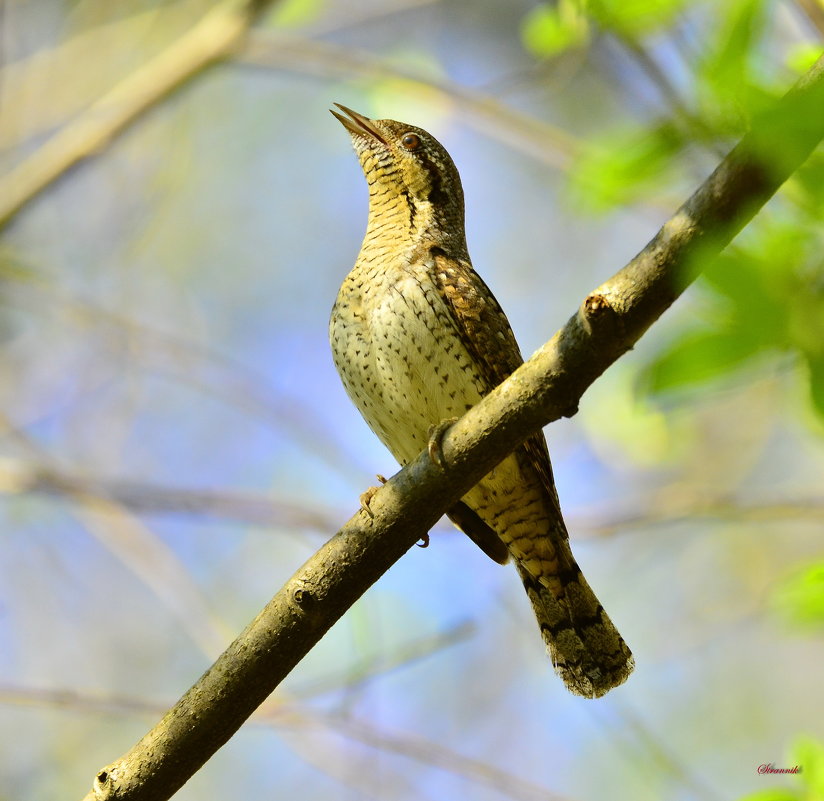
(263,509)
(532,137)
(213,38)
(292,720)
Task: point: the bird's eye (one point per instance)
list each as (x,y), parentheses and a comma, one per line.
(411,141)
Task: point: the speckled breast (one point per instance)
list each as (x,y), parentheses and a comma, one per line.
(399,353)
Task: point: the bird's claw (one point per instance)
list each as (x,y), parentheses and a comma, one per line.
(369,494)
(424,541)
(365,498)
(436,435)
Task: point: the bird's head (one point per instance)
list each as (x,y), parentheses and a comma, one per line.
(404,163)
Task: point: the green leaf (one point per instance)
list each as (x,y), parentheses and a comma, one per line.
(806,186)
(808,753)
(727,83)
(634,17)
(815,366)
(756,307)
(727,64)
(547,31)
(800,598)
(619,168)
(773,794)
(729,271)
(767,294)
(801,57)
(295,13)
(774,289)
(697,358)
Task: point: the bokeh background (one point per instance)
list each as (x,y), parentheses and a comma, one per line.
(175,442)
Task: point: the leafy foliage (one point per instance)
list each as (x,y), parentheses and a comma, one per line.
(548,31)
(809,753)
(621,167)
(634,17)
(765,298)
(763,301)
(772,794)
(800,598)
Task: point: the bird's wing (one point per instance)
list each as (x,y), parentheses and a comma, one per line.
(487,335)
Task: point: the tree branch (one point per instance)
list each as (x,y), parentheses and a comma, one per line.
(609,322)
(215,37)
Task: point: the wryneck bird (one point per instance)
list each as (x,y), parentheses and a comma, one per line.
(418,339)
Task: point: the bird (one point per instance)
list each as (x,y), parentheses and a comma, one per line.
(418,339)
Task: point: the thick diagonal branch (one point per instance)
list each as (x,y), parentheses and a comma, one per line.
(609,322)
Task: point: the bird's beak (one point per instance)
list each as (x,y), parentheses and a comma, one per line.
(357,124)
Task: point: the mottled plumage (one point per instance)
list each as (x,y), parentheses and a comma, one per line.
(418,338)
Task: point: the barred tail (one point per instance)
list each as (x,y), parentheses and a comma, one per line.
(586,649)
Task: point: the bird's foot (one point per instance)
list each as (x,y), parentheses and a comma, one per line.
(436,435)
(424,541)
(368,495)
(365,498)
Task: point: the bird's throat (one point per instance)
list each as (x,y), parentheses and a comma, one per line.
(400,223)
